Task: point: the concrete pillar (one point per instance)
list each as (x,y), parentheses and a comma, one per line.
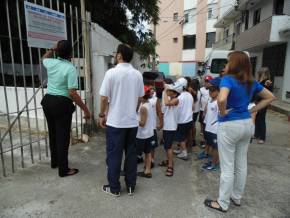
(286,79)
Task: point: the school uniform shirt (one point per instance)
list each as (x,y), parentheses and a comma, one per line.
(170,117)
(185,110)
(196,107)
(148,130)
(153,102)
(204,98)
(211,117)
(123,85)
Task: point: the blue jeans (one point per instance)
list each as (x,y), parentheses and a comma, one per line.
(119,140)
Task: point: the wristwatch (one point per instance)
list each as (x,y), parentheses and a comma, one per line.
(102,115)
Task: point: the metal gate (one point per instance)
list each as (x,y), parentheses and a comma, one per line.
(23,129)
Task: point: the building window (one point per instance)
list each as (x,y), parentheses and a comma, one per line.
(175,17)
(189,42)
(238,27)
(210,14)
(257,17)
(226,33)
(186,18)
(278,7)
(175,40)
(210,39)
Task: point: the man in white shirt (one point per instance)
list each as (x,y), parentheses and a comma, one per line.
(120,92)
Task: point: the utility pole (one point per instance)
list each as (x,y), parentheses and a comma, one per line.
(87,61)
(154,55)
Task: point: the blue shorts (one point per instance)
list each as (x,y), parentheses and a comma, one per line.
(155,139)
(144,145)
(211,139)
(168,137)
(183,131)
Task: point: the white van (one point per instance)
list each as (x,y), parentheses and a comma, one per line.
(215,62)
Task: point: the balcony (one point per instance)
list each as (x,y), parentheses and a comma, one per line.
(224,44)
(266,33)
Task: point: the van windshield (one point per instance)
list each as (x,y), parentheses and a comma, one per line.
(217,65)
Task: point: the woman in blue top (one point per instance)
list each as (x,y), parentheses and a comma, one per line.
(58,104)
(236,127)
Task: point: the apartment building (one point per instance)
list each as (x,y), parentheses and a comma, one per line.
(185,34)
(261,27)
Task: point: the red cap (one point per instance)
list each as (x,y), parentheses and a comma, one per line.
(208,78)
(146,89)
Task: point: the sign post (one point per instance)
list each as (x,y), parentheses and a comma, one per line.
(44,26)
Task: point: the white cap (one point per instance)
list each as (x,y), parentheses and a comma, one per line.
(182,82)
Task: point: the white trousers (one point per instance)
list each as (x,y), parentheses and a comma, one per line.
(233,142)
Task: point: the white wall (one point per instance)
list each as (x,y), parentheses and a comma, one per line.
(210,26)
(189,29)
(188,55)
(266,11)
(103,44)
(12,104)
(188,4)
(286,79)
(225,6)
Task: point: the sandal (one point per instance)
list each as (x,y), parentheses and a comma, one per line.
(145,175)
(164,163)
(208,203)
(70,172)
(169,172)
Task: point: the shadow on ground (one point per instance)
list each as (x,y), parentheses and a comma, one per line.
(37,191)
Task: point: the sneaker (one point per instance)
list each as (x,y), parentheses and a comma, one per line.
(202,155)
(182,156)
(177,151)
(212,168)
(131,190)
(206,165)
(106,189)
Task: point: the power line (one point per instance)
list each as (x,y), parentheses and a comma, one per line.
(163,36)
(168,6)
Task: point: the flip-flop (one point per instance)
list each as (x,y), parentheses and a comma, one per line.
(75,171)
(208,203)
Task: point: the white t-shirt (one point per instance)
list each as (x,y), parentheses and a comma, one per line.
(153,102)
(147,131)
(211,117)
(197,103)
(204,98)
(170,117)
(123,85)
(185,105)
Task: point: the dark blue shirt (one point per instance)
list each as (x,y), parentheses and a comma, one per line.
(239,98)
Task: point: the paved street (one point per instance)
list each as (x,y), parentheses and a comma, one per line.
(37,191)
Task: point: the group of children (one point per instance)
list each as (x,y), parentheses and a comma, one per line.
(183,103)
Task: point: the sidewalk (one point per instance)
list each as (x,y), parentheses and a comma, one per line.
(281,107)
(37,191)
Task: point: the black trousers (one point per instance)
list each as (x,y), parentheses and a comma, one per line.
(260,125)
(58,111)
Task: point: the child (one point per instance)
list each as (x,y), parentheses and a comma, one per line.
(170,102)
(185,112)
(145,132)
(156,105)
(211,126)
